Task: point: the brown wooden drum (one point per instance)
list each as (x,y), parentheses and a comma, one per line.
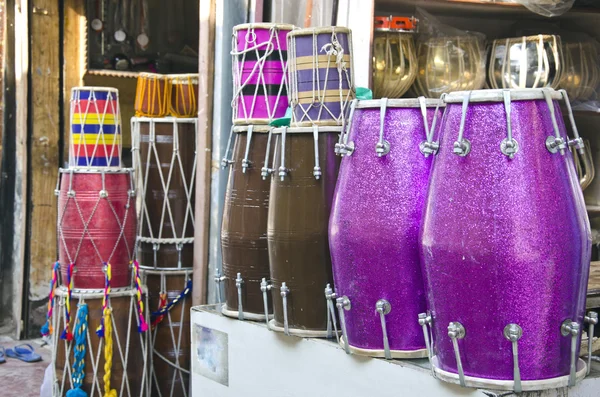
(184,95)
(129,347)
(152,95)
(244,227)
(165,164)
(305,173)
(170,337)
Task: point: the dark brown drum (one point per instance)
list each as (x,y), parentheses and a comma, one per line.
(301,195)
(170,339)
(129,361)
(244,228)
(165,163)
(184,95)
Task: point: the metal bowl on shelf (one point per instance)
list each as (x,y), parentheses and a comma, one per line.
(394,58)
(454,63)
(525,62)
(581,73)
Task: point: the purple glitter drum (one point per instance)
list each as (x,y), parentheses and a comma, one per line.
(505,243)
(259,72)
(374,226)
(321,79)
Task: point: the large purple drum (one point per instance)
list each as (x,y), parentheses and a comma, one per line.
(505,243)
(374,226)
(321,77)
(260,84)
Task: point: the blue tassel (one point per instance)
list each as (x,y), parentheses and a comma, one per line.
(76,393)
(45,329)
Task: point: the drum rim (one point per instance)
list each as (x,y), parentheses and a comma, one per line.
(398,103)
(95,170)
(497,95)
(264,25)
(94,88)
(174,77)
(519,39)
(97,293)
(149,74)
(308,130)
(261,128)
(319,30)
(165,120)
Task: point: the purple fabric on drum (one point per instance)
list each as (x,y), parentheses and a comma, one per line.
(331,85)
(329,74)
(268,66)
(261,109)
(317,112)
(505,241)
(263,37)
(304,43)
(374,228)
(266,78)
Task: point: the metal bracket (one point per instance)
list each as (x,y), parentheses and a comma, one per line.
(317,169)
(509,148)
(238,284)
(346,149)
(577,143)
(571,328)
(554,144)
(457,331)
(282,170)
(513,332)
(218,279)
(330,296)
(343,303)
(592,320)
(429,148)
(226,161)
(245,161)
(462,148)
(264,287)
(284,293)
(265,171)
(425,321)
(383,147)
(384,307)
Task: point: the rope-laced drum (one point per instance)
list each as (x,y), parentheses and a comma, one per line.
(244,228)
(152,95)
(165,164)
(394,56)
(184,95)
(96,225)
(305,170)
(117,361)
(321,75)
(95,128)
(374,238)
(526,62)
(260,84)
(505,243)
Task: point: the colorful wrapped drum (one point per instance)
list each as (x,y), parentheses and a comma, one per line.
(96,226)
(152,95)
(505,243)
(260,84)
(95,128)
(321,75)
(184,95)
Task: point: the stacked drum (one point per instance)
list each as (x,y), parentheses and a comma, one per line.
(95,279)
(164,155)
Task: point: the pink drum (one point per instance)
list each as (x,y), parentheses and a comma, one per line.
(96,225)
(260,85)
(505,243)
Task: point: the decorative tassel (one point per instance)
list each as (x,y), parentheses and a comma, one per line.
(143,326)
(107,278)
(66,334)
(108,353)
(47,327)
(165,309)
(162,302)
(79,352)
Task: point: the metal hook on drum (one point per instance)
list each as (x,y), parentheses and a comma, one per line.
(218,280)
(509,146)
(238,284)
(226,160)
(428,147)
(264,287)
(265,171)
(456,331)
(343,147)
(513,332)
(592,320)
(284,290)
(462,146)
(343,303)
(330,296)
(425,321)
(383,147)
(245,162)
(571,328)
(282,170)
(384,307)
(556,142)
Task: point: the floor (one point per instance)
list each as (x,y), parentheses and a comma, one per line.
(20,379)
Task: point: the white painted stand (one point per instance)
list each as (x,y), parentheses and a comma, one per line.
(232,358)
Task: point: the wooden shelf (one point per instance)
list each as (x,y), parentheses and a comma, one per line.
(112,73)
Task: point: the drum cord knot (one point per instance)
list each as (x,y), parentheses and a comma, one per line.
(143,326)
(66,334)
(79,352)
(165,309)
(47,327)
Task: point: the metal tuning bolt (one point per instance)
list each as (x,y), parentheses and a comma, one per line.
(509,146)
(556,142)
(218,280)
(456,331)
(382,147)
(383,307)
(429,148)
(317,170)
(425,321)
(282,170)
(284,293)
(57,189)
(225,162)
(513,332)
(245,161)
(343,303)
(462,147)
(348,149)
(265,171)
(577,142)
(571,328)
(264,287)
(331,297)
(592,320)
(342,145)
(238,284)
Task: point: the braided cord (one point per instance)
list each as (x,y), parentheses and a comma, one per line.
(66,334)
(165,309)
(108,353)
(162,302)
(80,346)
(143,326)
(47,327)
(107,277)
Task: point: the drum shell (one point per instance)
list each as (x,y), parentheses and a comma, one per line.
(491,251)
(103,230)
(373,237)
(124,317)
(167,255)
(172,330)
(153,95)
(299,208)
(244,227)
(184,96)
